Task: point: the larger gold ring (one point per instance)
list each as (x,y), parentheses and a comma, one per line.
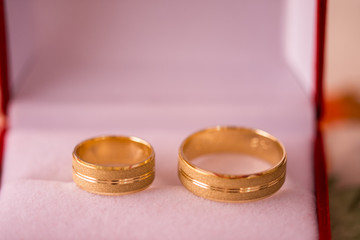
(232,188)
(113,165)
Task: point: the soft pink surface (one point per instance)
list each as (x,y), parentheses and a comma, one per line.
(146,77)
(39,200)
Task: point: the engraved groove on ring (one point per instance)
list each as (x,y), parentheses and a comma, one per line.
(115,181)
(232,190)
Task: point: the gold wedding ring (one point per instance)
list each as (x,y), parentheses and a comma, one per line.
(227,187)
(113,165)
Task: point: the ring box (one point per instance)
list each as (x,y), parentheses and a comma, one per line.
(158,70)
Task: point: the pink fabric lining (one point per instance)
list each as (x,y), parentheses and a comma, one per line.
(83,87)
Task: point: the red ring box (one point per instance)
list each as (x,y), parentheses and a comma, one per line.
(159,70)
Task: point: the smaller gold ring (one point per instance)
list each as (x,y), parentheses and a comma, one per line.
(227,187)
(113,165)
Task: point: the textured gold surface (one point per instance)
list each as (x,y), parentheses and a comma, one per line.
(227,187)
(113,165)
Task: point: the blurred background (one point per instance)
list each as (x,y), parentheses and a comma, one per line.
(342,116)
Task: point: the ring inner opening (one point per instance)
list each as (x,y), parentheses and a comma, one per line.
(232,151)
(113,151)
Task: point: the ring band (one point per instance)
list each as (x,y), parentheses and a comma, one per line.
(226,187)
(113,165)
